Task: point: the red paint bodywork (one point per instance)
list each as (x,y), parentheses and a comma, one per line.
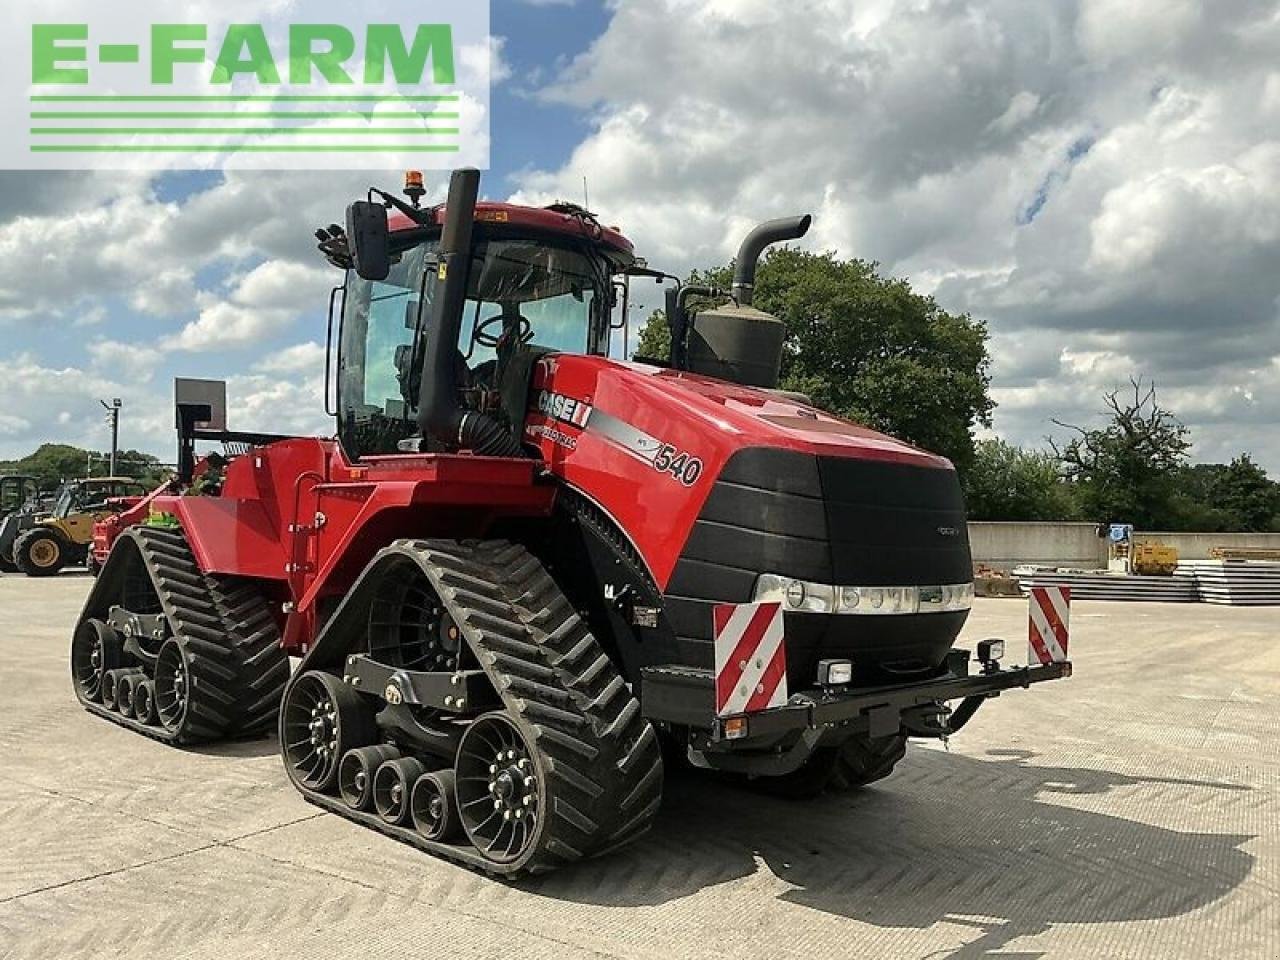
(301,517)
(538,218)
(708,419)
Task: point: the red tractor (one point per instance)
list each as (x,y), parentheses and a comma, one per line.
(522,562)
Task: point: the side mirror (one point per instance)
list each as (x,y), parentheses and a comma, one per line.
(369,239)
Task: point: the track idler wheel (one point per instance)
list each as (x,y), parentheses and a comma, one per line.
(172,686)
(355,774)
(392,785)
(144,701)
(323,719)
(434,806)
(499,788)
(113,682)
(95,649)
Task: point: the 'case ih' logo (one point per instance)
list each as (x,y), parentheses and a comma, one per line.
(560,407)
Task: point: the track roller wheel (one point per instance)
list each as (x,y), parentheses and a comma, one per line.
(501,789)
(126,690)
(95,649)
(144,701)
(355,774)
(112,681)
(323,719)
(434,806)
(392,784)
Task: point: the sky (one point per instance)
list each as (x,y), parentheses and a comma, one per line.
(1097,180)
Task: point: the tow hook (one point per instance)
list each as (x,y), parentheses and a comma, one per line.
(931,720)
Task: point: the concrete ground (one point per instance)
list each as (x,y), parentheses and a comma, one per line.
(1128,812)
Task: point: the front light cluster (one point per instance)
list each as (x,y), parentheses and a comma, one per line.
(802,596)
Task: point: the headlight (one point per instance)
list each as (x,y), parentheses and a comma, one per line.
(803,596)
(798,595)
(833,673)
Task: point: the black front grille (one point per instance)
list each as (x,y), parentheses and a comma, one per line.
(827,520)
(891,524)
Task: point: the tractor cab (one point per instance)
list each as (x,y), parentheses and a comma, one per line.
(92,495)
(537,281)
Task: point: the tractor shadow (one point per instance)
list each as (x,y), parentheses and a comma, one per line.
(977,842)
(268,746)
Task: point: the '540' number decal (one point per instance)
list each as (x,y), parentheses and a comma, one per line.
(680,465)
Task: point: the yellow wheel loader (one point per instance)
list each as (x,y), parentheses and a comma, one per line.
(64,536)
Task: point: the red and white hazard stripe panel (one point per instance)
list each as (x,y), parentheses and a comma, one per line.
(751,659)
(1050,616)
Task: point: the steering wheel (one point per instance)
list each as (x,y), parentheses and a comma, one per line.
(485,337)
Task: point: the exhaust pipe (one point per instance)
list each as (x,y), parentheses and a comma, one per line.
(441,415)
(773,231)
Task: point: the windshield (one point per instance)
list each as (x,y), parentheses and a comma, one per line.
(523,295)
(66,499)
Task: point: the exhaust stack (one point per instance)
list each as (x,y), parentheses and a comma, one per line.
(441,416)
(737,342)
(765,235)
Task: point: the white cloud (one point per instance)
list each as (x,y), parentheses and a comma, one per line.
(257,305)
(1098,179)
(133,360)
(300,358)
(35,390)
(277,404)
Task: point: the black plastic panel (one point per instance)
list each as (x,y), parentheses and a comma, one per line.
(828,520)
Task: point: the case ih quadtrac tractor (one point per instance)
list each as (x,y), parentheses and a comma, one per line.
(522,562)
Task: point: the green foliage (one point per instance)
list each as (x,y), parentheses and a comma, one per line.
(1008,483)
(1232,497)
(1134,470)
(51,463)
(1128,470)
(868,348)
(655,338)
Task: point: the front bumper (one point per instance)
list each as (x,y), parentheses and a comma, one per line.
(686,697)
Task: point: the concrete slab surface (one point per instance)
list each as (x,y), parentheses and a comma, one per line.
(1129,812)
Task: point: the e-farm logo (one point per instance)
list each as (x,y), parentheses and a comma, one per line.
(306,88)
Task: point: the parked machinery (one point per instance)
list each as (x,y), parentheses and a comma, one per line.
(41,543)
(18,493)
(523,561)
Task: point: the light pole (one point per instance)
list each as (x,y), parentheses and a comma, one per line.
(113,418)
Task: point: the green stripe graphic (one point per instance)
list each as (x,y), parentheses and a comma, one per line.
(237,115)
(373,98)
(251,148)
(259,131)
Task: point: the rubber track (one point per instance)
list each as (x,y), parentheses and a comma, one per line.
(232,642)
(860,761)
(555,678)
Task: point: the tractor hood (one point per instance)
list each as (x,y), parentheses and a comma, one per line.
(607,427)
(771,418)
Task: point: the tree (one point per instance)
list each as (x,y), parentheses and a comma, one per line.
(1243,492)
(1127,470)
(51,463)
(655,337)
(869,348)
(1008,483)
